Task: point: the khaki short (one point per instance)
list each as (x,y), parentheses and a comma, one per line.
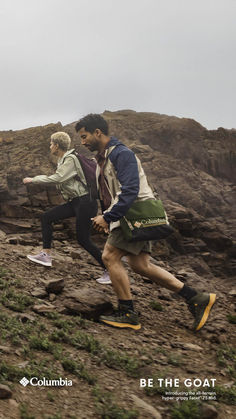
(116,239)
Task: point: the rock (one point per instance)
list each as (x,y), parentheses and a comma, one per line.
(5,349)
(65,393)
(191,347)
(62,310)
(232,292)
(206,256)
(85,275)
(141,148)
(229,384)
(135,290)
(15,224)
(89,302)
(54,286)
(141,404)
(12,240)
(24,317)
(189,246)
(13,403)
(58,258)
(217,241)
(2,235)
(19,352)
(44,308)
(110,388)
(231,267)
(183,272)
(5,392)
(75,254)
(26,240)
(137,148)
(209,412)
(144,358)
(39,293)
(23,364)
(165,295)
(192,370)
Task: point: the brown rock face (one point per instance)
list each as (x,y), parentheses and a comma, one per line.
(182,138)
(190,167)
(24,153)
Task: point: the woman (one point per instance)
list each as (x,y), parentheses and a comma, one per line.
(78,202)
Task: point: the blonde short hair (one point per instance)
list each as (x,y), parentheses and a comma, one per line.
(62,139)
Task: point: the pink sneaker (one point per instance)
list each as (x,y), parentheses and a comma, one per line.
(104,279)
(41,258)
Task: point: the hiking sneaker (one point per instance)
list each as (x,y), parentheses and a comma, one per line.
(122,319)
(104,279)
(41,258)
(200,306)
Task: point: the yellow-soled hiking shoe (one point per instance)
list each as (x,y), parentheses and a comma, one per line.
(122,319)
(200,306)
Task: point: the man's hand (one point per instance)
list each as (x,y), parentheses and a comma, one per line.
(27,180)
(99,224)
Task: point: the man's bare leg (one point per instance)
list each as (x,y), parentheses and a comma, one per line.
(125,317)
(120,281)
(200,304)
(141,264)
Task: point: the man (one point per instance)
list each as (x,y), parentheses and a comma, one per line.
(70,180)
(122,181)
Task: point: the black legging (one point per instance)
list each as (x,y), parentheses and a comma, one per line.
(81,208)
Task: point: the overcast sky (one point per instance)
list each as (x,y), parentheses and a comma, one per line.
(61,59)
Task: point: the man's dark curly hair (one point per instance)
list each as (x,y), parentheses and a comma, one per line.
(91,122)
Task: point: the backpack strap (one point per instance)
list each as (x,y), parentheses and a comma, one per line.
(90,177)
(75,157)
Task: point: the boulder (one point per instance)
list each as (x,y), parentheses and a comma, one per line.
(44,308)
(54,286)
(88,302)
(209,412)
(146,407)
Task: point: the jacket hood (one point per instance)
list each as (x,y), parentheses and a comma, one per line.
(113,142)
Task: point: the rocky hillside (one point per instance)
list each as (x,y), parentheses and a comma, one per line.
(192,169)
(42,333)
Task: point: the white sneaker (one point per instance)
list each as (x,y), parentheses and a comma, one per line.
(42,258)
(104,279)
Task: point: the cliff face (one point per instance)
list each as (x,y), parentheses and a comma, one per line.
(190,167)
(181,138)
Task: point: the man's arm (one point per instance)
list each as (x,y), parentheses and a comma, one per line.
(126,167)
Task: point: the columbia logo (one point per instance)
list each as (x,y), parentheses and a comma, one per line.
(24,381)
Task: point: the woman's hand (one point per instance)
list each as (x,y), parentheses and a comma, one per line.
(27,180)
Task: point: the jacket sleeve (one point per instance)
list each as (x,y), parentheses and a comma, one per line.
(125,164)
(64,172)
